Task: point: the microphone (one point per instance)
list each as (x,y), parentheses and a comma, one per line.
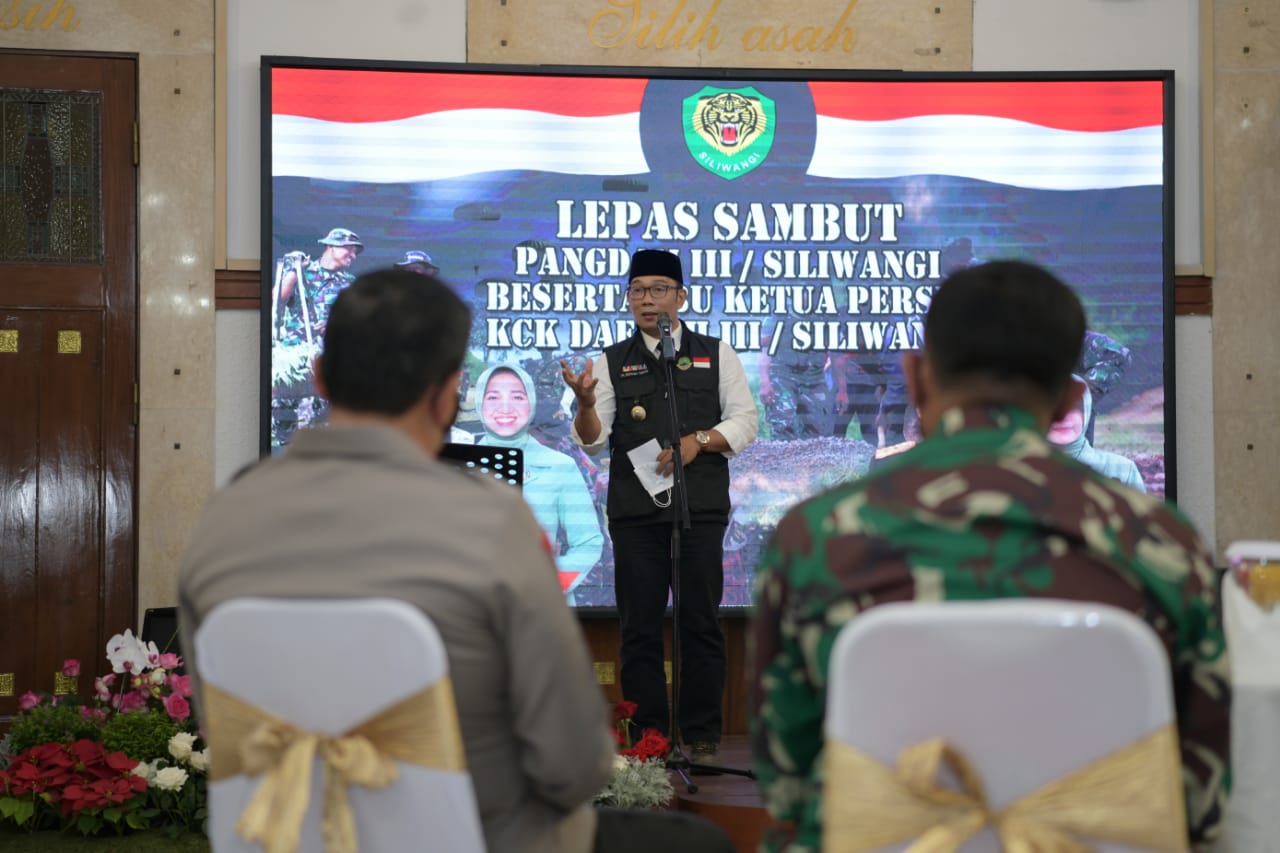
(664,331)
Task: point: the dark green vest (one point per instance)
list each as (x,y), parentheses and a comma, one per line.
(639,382)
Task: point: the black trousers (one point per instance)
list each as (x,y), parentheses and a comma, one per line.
(642,570)
(646,830)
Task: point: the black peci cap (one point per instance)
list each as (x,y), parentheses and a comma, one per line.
(656,262)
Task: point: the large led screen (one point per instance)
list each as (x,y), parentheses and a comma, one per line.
(814,217)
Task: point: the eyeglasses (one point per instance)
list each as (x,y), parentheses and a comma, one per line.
(657,291)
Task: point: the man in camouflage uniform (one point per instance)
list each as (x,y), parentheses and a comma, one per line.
(793,388)
(1103,360)
(982,508)
(419,262)
(298,319)
(303,310)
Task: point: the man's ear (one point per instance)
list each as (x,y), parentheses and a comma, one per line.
(1071,397)
(914,366)
(317,377)
(444,405)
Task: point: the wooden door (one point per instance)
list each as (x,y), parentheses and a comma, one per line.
(68,366)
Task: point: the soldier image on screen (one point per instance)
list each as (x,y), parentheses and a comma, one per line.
(793,387)
(897,422)
(1103,361)
(857,392)
(298,317)
(419,262)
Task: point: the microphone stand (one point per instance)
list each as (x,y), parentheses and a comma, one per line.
(677,760)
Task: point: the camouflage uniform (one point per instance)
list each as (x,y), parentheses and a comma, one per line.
(803,405)
(1057,530)
(321,287)
(1103,361)
(296,404)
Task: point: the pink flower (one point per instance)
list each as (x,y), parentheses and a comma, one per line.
(180,684)
(27,701)
(71,667)
(102,687)
(134,700)
(169,660)
(177,707)
(92,713)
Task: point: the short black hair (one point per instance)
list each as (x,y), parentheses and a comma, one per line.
(391,336)
(1006,321)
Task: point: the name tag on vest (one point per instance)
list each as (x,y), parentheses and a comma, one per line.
(635,369)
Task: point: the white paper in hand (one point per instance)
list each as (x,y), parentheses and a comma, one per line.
(645,460)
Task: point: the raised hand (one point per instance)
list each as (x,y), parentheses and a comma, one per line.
(583,385)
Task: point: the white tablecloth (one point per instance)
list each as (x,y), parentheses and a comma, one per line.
(1253,642)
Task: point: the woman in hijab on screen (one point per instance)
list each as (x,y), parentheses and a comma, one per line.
(1070,435)
(553,485)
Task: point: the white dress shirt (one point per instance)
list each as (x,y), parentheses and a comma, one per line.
(737,406)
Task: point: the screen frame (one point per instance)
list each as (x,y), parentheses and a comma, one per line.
(1165,77)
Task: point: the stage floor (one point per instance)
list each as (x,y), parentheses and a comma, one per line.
(730,801)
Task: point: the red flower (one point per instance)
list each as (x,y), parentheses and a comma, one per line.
(75,776)
(51,754)
(651,745)
(624,710)
(71,667)
(86,751)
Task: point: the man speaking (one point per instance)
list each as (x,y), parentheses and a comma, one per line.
(621,401)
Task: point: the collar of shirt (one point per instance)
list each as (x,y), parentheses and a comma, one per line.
(985,416)
(367,441)
(677,328)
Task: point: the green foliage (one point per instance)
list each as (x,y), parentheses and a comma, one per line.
(141,735)
(17,840)
(61,723)
(17,810)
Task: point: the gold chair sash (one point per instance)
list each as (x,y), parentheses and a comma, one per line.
(1132,796)
(243,739)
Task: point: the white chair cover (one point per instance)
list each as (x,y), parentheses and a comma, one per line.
(327,665)
(1252,821)
(1028,690)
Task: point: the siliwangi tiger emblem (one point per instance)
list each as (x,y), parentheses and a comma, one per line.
(729,132)
(729,122)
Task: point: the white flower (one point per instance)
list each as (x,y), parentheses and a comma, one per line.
(637,784)
(127,653)
(180,745)
(200,761)
(145,770)
(158,676)
(619,762)
(170,778)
